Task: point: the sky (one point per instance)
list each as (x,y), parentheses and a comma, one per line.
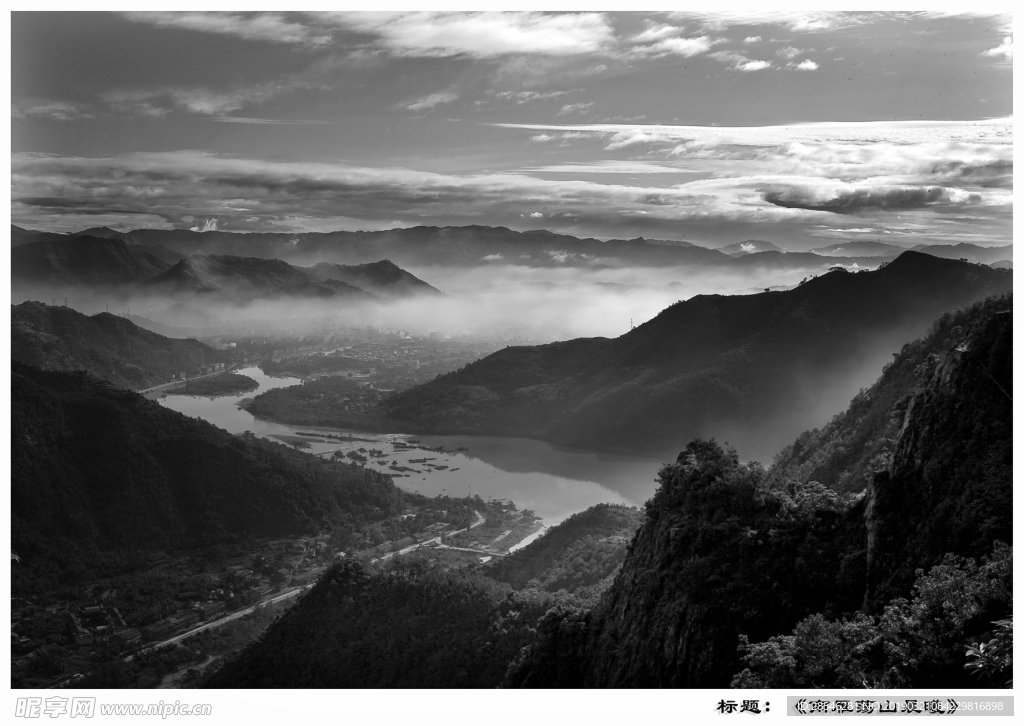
(802,128)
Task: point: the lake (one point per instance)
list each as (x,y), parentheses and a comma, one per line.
(553,481)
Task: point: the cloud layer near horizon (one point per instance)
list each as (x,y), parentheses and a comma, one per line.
(940,181)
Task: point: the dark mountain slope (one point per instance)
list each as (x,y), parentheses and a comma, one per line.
(248,278)
(83,261)
(723,551)
(755,370)
(381,278)
(845,453)
(412,627)
(98,472)
(108,346)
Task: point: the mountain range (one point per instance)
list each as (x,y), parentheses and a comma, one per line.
(749,246)
(755,370)
(112,262)
(474,245)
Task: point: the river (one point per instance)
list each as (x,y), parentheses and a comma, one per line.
(553,481)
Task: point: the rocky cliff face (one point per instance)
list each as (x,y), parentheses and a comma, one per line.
(949,487)
(719,554)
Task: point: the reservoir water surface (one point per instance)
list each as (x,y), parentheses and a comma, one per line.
(553,481)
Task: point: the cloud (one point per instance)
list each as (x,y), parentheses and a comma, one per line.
(858,199)
(480,34)
(796,21)
(945,180)
(685,47)
(53,110)
(752,39)
(536,214)
(251,26)
(739,62)
(428,102)
(805,65)
(200,101)
(521,97)
(996,133)
(1004,49)
(266,121)
(575,108)
(789,52)
(657,31)
(610,166)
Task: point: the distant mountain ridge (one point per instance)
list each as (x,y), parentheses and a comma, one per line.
(754,369)
(84,260)
(381,278)
(860,248)
(248,278)
(749,246)
(115,260)
(968,251)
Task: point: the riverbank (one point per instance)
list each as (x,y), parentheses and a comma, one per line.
(224,384)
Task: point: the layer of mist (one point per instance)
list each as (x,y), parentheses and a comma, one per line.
(545,304)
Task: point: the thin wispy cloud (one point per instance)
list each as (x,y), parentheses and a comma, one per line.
(430,101)
(796,21)
(52,110)
(251,26)
(482,34)
(267,121)
(570,108)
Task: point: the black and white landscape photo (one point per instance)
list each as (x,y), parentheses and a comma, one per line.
(519,350)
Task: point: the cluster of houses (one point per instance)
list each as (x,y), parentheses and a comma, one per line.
(203,370)
(429,534)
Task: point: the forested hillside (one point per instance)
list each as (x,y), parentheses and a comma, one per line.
(100,474)
(410,627)
(108,346)
(584,551)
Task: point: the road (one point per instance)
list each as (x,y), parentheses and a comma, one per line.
(480,519)
(217,623)
(164,386)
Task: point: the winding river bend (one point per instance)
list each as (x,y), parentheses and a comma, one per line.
(554,482)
